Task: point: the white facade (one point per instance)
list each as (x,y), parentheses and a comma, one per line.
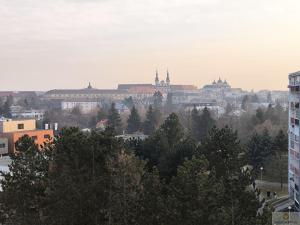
(84,106)
(294,116)
(28,114)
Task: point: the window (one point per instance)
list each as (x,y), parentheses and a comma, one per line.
(296,121)
(47,136)
(2,145)
(20,126)
(34,138)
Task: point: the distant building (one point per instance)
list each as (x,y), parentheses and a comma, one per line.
(141,93)
(28,114)
(294,133)
(218,85)
(3,146)
(13,130)
(85,105)
(102,124)
(136,136)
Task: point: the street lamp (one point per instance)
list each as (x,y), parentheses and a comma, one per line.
(261,170)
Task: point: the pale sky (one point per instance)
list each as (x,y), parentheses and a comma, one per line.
(48,44)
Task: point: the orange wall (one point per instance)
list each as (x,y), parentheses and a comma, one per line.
(13,137)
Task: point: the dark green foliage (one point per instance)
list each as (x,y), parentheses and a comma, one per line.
(280,147)
(195,123)
(114,119)
(24,187)
(224,152)
(157,100)
(152,120)
(258,149)
(89,178)
(169,103)
(201,124)
(206,124)
(134,121)
(5,108)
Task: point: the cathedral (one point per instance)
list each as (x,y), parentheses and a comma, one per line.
(163,85)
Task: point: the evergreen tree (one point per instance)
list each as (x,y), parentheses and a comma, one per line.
(6,111)
(223,151)
(259,148)
(280,146)
(151,121)
(157,100)
(172,129)
(206,123)
(169,103)
(24,185)
(134,121)
(245,103)
(114,119)
(195,124)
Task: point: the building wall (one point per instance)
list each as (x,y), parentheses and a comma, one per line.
(17,125)
(294,146)
(3,146)
(40,136)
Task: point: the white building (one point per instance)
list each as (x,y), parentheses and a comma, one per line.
(85,105)
(28,114)
(294,156)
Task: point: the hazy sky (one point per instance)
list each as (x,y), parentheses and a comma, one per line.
(47,44)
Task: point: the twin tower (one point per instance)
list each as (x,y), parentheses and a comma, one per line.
(162,83)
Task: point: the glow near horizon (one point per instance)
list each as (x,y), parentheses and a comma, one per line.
(67,43)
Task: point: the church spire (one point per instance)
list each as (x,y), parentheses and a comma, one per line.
(168,78)
(90,86)
(156,79)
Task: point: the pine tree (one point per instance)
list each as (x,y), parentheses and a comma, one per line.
(172,129)
(134,121)
(206,123)
(150,122)
(259,148)
(223,151)
(157,100)
(24,185)
(280,145)
(114,119)
(195,127)
(169,103)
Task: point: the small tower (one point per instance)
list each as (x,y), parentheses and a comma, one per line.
(90,86)
(168,78)
(156,79)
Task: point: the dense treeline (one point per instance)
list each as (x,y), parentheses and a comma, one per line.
(167,179)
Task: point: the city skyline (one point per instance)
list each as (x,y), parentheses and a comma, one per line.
(68,43)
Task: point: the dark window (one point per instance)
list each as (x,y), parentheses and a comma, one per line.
(20,126)
(34,138)
(2,145)
(297,122)
(47,136)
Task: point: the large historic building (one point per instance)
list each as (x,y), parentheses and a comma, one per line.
(139,92)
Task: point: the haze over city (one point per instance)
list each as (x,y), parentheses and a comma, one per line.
(67,43)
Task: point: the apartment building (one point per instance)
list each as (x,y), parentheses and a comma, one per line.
(294,116)
(13,130)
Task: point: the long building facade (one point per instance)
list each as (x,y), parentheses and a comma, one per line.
(294,133)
